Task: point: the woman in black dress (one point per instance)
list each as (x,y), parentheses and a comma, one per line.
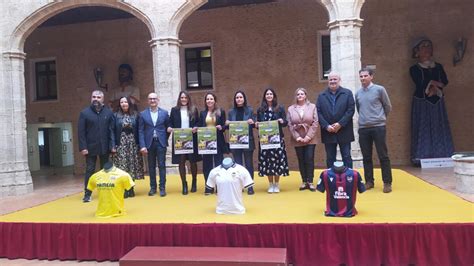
(185,115)
(273,162)
(127,156)
(431,134)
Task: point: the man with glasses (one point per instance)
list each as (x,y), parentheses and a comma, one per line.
(373,105)
(153,140)
(96,136)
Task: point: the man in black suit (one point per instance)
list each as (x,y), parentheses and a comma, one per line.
(96,136)
(336,108)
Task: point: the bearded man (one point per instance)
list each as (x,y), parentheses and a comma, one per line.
(96,136)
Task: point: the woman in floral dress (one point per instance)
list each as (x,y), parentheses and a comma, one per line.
(127,156)
(272,162)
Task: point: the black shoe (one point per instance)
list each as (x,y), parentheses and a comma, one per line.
(87,196)
(131,193)
(250,191)
(152,192)
(162,192)
(185,188)
(304,186)
(194,185)
(208,191)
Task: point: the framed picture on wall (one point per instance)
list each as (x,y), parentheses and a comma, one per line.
(66,136)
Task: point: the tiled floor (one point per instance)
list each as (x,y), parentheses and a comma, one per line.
(51,184)
(440,177)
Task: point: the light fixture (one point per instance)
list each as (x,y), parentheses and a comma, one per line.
(460,48)
(99,76)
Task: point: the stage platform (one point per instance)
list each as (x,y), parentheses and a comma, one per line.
(417,223)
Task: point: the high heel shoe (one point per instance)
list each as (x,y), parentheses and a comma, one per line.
(194,185)
(185,188)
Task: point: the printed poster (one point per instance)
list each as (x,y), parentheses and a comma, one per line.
(207,140)
(183,140)
(239,135)
(269,135)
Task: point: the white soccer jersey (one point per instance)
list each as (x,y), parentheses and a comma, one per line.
(230,183)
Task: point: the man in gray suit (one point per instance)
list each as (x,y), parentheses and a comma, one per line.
(153,140)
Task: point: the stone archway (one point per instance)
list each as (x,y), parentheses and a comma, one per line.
(163,21)
(15,177)
(24,29)
(165,46)
(182,13)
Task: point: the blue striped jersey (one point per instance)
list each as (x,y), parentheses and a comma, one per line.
(341,191)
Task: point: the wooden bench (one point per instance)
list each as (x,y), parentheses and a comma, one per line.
(147,256)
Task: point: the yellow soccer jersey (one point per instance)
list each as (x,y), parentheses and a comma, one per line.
(111,186)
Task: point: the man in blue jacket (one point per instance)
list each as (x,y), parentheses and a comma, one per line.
(336,108)
(96,138)
(153,139)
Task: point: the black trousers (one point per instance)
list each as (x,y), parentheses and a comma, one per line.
(331,153)
(245,158)
(305,156)
(209,161)
(90,166)
(377,136)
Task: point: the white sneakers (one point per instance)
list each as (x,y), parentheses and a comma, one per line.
(276,188)
(270,188)
(273,188)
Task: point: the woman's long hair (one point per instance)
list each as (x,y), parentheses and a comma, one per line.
(217,110)
(132,108)
(245,98)
(192,110)
(264,105)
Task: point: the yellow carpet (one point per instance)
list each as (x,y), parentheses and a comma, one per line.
(412,201)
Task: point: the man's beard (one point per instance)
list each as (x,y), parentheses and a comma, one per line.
(97,105)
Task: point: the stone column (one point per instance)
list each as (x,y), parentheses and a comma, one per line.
(166,70)
(15,177)
(167,81)
(346,60)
